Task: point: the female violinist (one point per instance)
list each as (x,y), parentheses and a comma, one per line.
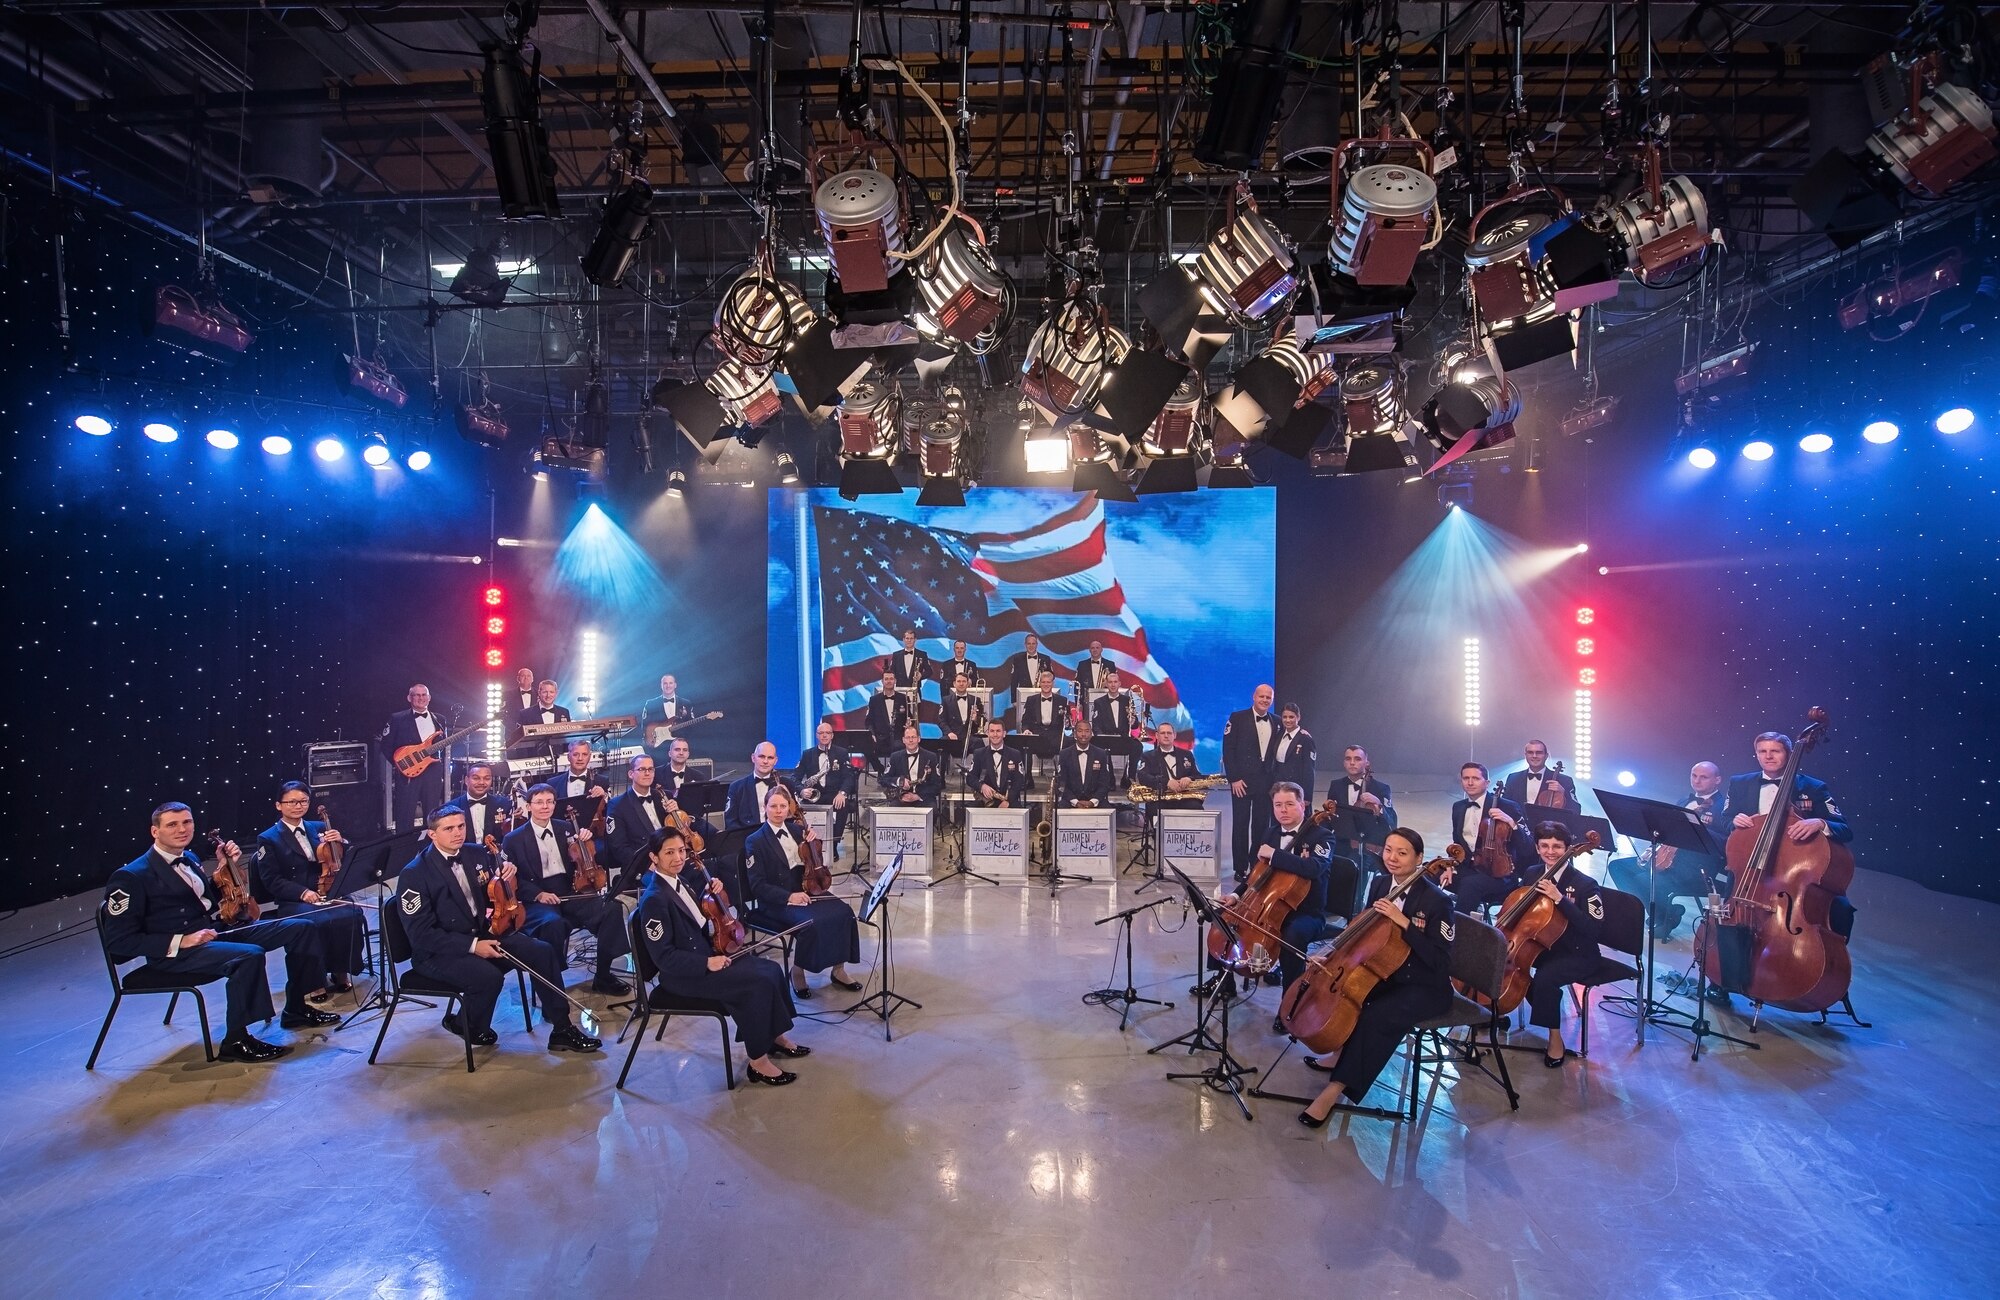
(679,939)
(288,873)
(1418,989)
(1573,956)
(777,862)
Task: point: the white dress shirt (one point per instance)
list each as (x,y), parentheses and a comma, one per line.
(550,846)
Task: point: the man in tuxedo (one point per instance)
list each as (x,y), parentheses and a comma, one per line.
(578,786)
(1249,748)
(162,906)
(998,773)
(1116,712)
(1367,814)
(441,898)
(910,666)
(1090,672)
(1083,773)
(1044,715)
(544,710)
(914,776)
(1525,788)
(1025,669)
(522,697)
(1168,768)
(544,850)
(1687,874)
(958,717)
(633,817)
(1813,811)
(1297,847)
(1482,803)
(486,813)
(410,796)
(745,807)
(675,774)
(888,712)
(960,663)
(1295,754)
(824,777)
(285,877)
(667,706)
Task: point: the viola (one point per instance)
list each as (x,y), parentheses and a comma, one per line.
(1493,853)
(814,877)
(729,934)
(232,882)
(1323,1005)
(329,858)
(1551,794)
(507,913)
(1258,915)
(1770,940)
(589,877)
(1532,924)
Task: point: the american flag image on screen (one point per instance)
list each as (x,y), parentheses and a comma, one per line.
(878,576)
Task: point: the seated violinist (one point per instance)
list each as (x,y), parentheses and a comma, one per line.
(1415,991)
(1573,956)
(1294,847)
(680,941)
(545,850)
(287,875)
(776,855)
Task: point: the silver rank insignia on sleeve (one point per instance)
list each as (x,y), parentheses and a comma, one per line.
(1323,852)
(1447,931)
(655,930)
(118,902)
(1597,907)
(413,902)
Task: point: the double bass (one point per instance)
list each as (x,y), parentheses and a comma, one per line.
(1532,924)
(1259,913)
(1770,940)
(1321,1007)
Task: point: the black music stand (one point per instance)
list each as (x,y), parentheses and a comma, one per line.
(884,1001)
(700,798)
(1128,995)
(1671,826)
(372,862)
(959,850)
(1228,1073)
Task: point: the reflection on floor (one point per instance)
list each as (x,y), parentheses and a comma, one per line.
(1009,1142)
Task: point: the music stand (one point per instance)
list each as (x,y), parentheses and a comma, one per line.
(700,798)
(1227,1074)
(885,1000)
(372,862)
(1672,826)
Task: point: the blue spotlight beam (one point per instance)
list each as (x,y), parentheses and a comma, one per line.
(600,563)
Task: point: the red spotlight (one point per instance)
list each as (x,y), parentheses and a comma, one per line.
(1585,646)
(495,626)
(1586,677)
(495,657)
(494,595)
(1586,616)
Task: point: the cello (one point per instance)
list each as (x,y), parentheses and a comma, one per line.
(1770,940)
(1321,1007)
(1259,913)
(1532,924)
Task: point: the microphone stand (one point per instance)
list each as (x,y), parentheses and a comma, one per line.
(1228,1073)
(1129,995)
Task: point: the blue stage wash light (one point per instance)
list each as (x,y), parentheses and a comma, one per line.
(1628,779)
(1816,442)
(329,449)
(1881,431)
(161,431)
(277,444)
(1758,450)
(419,459)
(223,439)
(1957,420)
(375,451)
(94,425)
(1702,458)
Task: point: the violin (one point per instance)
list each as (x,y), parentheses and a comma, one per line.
(1532,923)
(589,877)
(729,934)
(1493,853)
(815,878)
(329,855)
(232,882)
(1770,940)
(1551,794)
(1323,1005)
(507,913)
(1259,913)
(689,835)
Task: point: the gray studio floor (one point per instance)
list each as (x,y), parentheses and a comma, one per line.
(1009,1142)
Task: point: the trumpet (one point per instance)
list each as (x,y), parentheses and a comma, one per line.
(1138,793)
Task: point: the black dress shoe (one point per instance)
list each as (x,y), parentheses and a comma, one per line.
(480,1037)
(1315,1063)
(1311,1122)
(307,1019)
(609,983)
(852,986)
(778,1080)
(568,1038)
(1667,921)
(803,994)
(250,1050)
(789,1053)
(1557,1062)
(1274,977)
(1278,1025)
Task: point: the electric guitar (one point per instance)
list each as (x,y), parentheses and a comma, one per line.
(658,733)
(412,761)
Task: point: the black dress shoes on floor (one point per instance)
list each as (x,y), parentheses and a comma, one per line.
(568,1038)
(307,1019)
(1311,1121)
(611,984)
(778,1080)
(480,1037)
(802,995)
(250,1050)
(789,1053)
(852,986)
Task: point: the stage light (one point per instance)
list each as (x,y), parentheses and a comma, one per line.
(524,171)
(494,596)
(375,451)
(1758,450)
(933,427)
(1603,570)
(1939,141)
(788,469)
(496,730)
(1586,676)
(1586,616)
(586,675)
(482,423)
(479,281)
(276,444)
(494,658)
(418,459)
(1246,270)
(1046,451)
(1528,270)
(1702,457)
(626,223)
(1248,90)
(94,425)
(1581,548)
(1384,215)
(1069,357)
(1662,231)
(161,431)
(1469,670)
(1586,645)
(223,439)
(1816,443)
(1463,418)
(861,218)
(1628,779)
(748,394)
(759,316)
(677,483)
(329,449)
(202,316)
(1957,420)
(1582,730)
(1880,432)
(373,379)
(964,293)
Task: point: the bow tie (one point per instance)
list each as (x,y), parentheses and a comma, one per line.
(1769,780)
(420,715)
(548,832)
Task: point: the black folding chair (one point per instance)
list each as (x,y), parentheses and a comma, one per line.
(148,980)
(654,1000)
(417,987)
(1624,928)
(1479,962)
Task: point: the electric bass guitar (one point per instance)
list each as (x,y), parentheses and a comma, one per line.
(412,761)
(658,733)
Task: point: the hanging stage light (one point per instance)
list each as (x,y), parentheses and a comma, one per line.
(869,424)
(1530,269)
(482,423)
(370,377)
(760,316)
(788,468)
(1245,98)
(479,282)
(223,439)
(1261,398)
(1469,415)
(964,293)
(94,425)
(1940,140)
(1069,357)
(374,450)
(677,480)
(161,431)
(202,316)
(1371,401)
(933,430)
(861,218)
(1663,230)
(748,394)
(1174,431)
(524,171)
(1044,450)
(418,460)
(1384,213)
(624,227)
(1246,270)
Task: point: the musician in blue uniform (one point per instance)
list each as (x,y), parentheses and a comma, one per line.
(1573,957)
(1022,671)
(1115,713)
(1368,812)
(1296,847)
(996,772)
(1249,742)
(1294,755)
(960,662)
(633,816)
(1471,886)
(888,712)
(1168,769)
(1083,772)
(825,778)
(910,666)
(486,812)
(578,785)
(441,896)
(678,938)
(1687,874)
(286,875)
(747,794)
(913,775)
(1814,812)
(545,851)
(1093,667)
(778,900)
(1044,717)
(959,717)
(408,795)
(162,906)
(543,712)
(1530,786)
(1414,992)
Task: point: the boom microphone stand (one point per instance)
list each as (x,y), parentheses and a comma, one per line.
(1128,995)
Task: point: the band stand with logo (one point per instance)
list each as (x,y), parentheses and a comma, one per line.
(1086,844)
(996,842)
(900,831)
(1189,840)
